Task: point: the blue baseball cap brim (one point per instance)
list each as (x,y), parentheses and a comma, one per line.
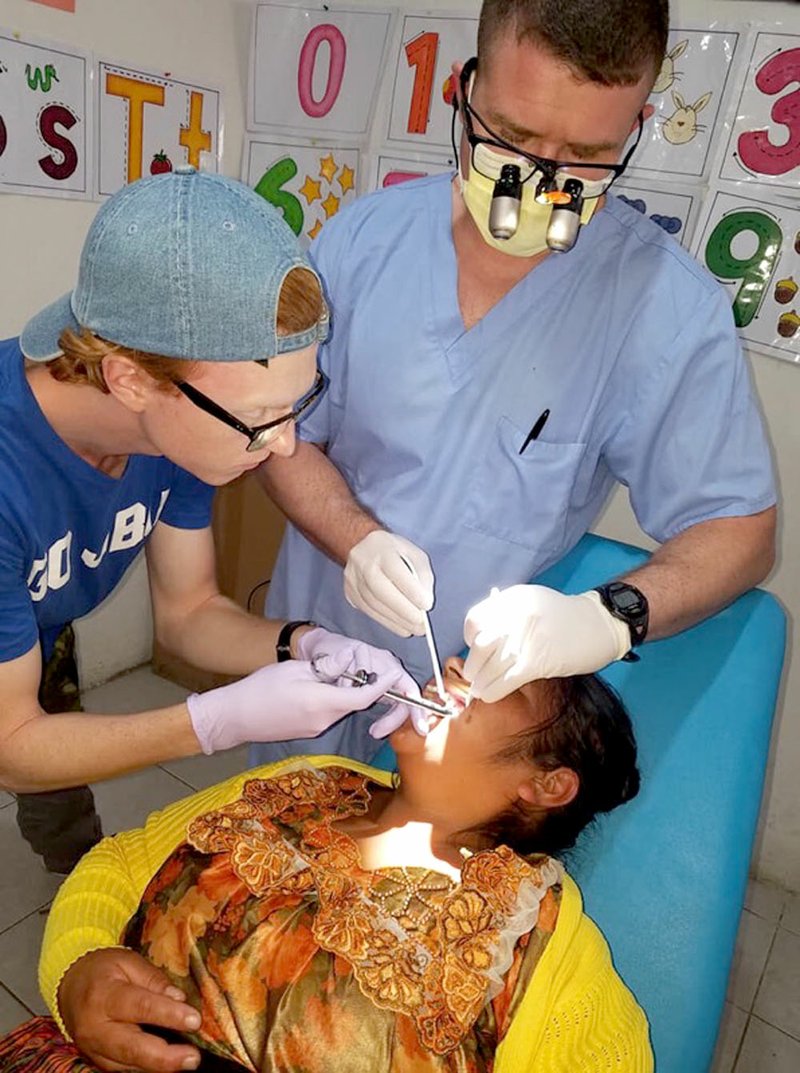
(39,339)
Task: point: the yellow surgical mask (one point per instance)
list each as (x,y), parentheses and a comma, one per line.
(477,190)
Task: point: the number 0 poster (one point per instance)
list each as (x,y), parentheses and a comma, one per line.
(316,70)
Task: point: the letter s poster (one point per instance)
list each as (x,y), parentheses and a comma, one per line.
(45,118)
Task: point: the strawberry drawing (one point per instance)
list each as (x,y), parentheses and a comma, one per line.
(160,163)
(449,90)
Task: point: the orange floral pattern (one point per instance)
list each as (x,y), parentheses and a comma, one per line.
(273,929)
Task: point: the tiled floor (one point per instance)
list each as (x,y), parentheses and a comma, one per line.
(760,1031)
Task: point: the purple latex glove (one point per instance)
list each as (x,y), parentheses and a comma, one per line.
(282,701)
(361,656)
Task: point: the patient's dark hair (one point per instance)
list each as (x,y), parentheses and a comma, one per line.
(588,730)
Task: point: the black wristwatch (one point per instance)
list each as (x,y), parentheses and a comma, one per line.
(284,645)
(629,605)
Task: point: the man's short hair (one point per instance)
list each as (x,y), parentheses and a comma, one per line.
(613,42)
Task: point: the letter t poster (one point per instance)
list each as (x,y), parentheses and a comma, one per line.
(150,123)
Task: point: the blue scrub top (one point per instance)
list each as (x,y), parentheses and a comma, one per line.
(627,341)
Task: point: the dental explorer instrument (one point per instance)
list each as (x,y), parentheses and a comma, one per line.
(437,667)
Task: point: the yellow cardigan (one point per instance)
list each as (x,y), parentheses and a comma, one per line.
(577,1016)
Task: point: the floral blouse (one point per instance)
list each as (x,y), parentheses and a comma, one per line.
(301,960)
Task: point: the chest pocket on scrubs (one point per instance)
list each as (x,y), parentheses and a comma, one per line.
(523,498)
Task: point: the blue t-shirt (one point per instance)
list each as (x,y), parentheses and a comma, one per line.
(626,339)
(67,531)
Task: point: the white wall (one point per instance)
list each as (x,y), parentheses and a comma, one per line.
(207,40)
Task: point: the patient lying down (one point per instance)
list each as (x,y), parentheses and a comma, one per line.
(323,916)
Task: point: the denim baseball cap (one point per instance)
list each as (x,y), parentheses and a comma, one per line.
(186,265)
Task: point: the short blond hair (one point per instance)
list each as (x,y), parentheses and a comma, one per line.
(300,306)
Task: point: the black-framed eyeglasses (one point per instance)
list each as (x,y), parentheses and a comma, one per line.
(261,435)
(596,178)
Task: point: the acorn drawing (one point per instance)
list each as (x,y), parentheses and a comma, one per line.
(797,242)
(785,290)
(788,323)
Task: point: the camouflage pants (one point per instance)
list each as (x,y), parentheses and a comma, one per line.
(60,825)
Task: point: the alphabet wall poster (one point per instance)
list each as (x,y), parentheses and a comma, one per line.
(150,123)
(308,183)
(687,97)
(421,110)
(764,142)
(316,70)
(753,248)
(45,118)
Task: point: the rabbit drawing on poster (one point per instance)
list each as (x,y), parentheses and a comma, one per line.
(682,125)
(667,75)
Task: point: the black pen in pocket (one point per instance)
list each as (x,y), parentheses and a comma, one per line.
(535,432)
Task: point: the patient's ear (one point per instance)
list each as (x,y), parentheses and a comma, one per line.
(550,789)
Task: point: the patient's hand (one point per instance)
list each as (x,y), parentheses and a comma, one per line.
(107,995)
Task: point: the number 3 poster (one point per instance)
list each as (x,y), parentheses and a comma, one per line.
(764,146)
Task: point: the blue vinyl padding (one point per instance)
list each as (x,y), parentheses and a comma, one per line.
(665,876)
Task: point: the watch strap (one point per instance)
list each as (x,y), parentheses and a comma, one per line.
(283,648)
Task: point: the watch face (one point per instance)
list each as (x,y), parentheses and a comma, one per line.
(627,600)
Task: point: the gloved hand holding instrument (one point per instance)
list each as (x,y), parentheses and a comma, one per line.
(289,700)
(378,581)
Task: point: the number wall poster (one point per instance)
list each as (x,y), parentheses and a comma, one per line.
(150,123)
(687,97)
(309,184)
(390,170)
(316,70)
(672,209)
(45,118)
(421,108)
(753,248)
(764,142)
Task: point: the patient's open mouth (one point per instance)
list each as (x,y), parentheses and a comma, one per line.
(457,698)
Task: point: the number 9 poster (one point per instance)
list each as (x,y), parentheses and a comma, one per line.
(751,237)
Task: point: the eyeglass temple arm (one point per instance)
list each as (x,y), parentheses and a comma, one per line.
(212,408)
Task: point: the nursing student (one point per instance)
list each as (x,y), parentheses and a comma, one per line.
(182,359)
(493,379)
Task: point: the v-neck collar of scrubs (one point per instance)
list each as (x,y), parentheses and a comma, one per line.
(463,346)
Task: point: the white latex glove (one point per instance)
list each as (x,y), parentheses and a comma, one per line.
(282,701)
(527,632)
(361,656)
(378,582)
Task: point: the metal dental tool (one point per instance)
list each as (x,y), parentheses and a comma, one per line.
(437,667)
(363,678)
